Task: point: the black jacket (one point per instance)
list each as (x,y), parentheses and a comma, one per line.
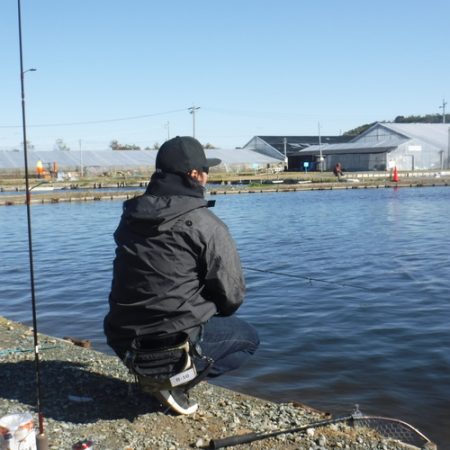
(176,265)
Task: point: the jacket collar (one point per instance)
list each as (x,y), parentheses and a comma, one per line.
(163,184)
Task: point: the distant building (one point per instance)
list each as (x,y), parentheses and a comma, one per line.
(407,146)
(277,146)
(100,161)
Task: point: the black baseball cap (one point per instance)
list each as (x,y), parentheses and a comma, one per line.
(182,154)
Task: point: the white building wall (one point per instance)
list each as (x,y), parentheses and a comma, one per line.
(412,154)
(416,154)
(378,134)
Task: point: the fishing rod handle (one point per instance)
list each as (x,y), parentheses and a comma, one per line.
(233,440)
(41,442)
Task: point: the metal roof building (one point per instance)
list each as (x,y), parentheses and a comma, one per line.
(407,146)
(279,146)
(104,160)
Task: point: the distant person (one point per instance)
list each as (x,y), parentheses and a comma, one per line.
(39,169)
(338,171)
(177,282)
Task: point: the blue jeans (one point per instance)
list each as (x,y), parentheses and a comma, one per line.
(229,341)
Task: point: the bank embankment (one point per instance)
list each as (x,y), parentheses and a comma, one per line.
(90,395)
(11,198)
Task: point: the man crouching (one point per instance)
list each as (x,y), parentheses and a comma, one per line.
(177,281)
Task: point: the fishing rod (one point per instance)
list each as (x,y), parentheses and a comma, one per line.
(386,426)
(231,441)
(41,438)
(310,279)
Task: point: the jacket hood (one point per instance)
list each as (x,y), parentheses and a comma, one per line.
(168,196)
(153,211)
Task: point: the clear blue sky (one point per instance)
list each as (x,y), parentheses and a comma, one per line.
(254,67)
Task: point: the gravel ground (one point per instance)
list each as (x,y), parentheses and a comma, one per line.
(90,395)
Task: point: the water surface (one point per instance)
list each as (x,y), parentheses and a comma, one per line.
(362,318)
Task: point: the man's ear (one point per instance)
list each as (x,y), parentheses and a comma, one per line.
(194,174)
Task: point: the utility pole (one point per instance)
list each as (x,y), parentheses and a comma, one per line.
(167,125)
(192,110)
(285,155)
(81,158)
(320,149)
(448,149)
(443,109)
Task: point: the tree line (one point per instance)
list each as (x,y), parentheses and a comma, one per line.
(115,145)
(428,118)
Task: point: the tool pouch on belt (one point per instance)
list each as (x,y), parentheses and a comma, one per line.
(164,363)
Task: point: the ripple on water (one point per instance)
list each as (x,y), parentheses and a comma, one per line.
(375,333)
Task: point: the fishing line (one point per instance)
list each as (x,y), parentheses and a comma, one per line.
(41,439)
(310,279)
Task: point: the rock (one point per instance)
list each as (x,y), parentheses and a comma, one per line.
(199,443)
(120,417)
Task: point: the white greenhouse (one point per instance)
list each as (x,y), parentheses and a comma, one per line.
(125,160)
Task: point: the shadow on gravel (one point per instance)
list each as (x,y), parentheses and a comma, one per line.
(70,393)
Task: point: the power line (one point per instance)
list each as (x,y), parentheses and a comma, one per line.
(96,121)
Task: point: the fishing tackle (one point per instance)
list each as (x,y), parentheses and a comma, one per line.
(387,427)
(41,438)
